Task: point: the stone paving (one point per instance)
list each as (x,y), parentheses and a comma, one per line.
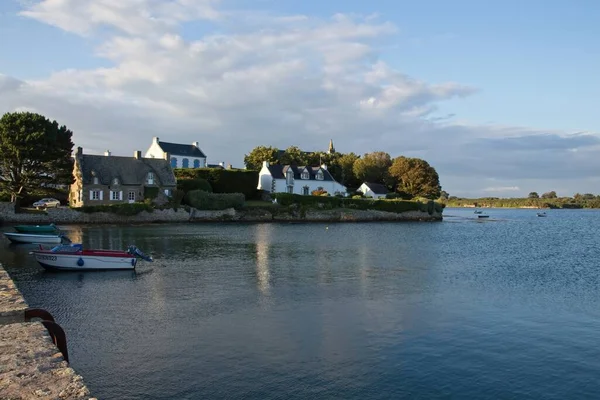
(31,366)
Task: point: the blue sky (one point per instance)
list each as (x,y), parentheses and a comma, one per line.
(531,65)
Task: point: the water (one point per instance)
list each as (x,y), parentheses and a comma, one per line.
(502,308)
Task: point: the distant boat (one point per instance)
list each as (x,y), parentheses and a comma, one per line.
(33,238)
(477,212)
(483,216)
(74,258)
(542,214)
(36,228)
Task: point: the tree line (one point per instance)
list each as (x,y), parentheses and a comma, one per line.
(407,177)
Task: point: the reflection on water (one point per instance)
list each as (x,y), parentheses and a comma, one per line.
(354,311)
(263,242)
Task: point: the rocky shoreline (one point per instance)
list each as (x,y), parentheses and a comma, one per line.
(65,215)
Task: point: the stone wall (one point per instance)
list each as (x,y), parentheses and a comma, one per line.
(65,215)
(31,366)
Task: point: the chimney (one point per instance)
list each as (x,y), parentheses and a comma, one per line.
(107,153)
(222,164)
(167,156)
(79,151)
(137,155)
(196,144)
(155,139)
(229,166)
(265,164)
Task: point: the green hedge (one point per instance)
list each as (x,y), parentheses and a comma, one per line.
(224,180)
(119,209)
(397,206)
(150,192)
(214,201)
(186,185)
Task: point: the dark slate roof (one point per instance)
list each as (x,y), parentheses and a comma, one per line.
(377,188)
(278,172)
(175,149)
(129,170)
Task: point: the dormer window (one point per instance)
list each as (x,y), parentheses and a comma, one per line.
(115,181)
(305,175)
(96,181)
(150,178)
(320,175)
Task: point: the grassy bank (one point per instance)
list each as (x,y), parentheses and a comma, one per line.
(561,202)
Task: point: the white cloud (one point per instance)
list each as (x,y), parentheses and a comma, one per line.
(283,80)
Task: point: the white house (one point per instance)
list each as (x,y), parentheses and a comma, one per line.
(180,155)
(297,179)
(374,190)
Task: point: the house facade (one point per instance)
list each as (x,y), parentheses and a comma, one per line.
(179,155)
(374,190)
(108,179)
(301,180)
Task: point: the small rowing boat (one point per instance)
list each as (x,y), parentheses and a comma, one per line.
(74,258)
(483,216)
(33,238)
(542,214)
(36,228)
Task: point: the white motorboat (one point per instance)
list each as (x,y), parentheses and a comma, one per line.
(73,257)
(33,238)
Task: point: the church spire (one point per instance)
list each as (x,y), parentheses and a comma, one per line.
(331,148)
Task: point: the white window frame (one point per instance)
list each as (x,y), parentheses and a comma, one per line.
(96,195)
(150,178)
(114,195)
(130,197)
(305,175)
(320,176)
(167,192)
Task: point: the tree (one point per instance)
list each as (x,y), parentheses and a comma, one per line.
(373,167)
(415,176)
(34,152)
(444,195)
(344,170)
(533,195)
(293,155)
(549,195)
(255,158)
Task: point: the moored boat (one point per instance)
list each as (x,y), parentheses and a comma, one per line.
(483,216)
(33,238)
(74,258)
(36,228)
(541,214)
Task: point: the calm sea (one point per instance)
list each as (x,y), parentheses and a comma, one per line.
(507,307)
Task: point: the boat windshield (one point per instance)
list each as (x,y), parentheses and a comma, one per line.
(66,248)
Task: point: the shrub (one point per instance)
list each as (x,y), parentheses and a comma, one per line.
(186,185)
(319,192)
(214,201)
(150,193)
(224,180)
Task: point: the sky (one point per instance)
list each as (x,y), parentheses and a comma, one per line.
(498,97)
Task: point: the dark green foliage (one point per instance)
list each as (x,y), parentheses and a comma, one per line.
(34,152)
(202,200)
(150,193)
(224,180)
(119,209)
(559,202)
(321,202)
(415,177)
(533,195)
(255,158)
(549,195)
(187,185)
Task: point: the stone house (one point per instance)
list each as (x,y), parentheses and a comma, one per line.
(297,179)
(179,155)
(108,179)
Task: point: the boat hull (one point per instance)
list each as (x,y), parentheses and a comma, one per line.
(36,228)
(78,262)
(33,238)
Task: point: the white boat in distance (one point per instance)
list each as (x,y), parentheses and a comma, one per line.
(74,258)
(33,238)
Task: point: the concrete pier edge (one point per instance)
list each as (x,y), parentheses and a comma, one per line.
(31,366)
